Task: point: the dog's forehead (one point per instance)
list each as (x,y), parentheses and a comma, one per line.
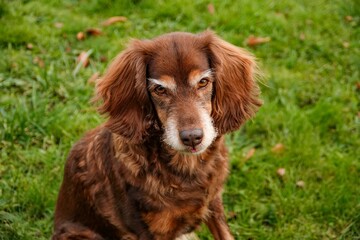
(178,59)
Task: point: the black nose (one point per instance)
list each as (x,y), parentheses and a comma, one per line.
(192,137)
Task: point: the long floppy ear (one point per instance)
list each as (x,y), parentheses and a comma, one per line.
(124,94)
(236,95)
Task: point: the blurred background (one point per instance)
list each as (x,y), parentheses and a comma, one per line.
(295,168)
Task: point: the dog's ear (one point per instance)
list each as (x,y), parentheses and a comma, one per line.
(124,96)
(236,93)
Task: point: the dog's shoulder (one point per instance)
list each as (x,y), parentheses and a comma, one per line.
(90,155)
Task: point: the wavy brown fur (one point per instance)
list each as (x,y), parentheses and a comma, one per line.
(121,180)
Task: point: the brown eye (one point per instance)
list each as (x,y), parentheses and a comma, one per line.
(160,90)
(203,83)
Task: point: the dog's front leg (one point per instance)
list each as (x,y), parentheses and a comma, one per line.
(75,231)
(217,222)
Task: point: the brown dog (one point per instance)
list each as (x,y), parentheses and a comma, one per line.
(156,168)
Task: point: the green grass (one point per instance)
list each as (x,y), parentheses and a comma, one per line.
(311,105)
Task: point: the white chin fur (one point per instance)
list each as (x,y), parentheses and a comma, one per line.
(172,138)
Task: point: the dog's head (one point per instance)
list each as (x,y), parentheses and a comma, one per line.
(193,87)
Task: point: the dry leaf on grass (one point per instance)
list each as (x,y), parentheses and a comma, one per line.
(253,41)
(82,61)
(80,36)
(281,172)
(29,46)
(349,18)
(88,32)
(302,36)
(14,65)
(58,24)
(93,31)
(83,58)
(358,86)
(346,44)
(103,59)
(278,148)
(38,61)
(113,20)
(250,153)
(300,184)
(211,8)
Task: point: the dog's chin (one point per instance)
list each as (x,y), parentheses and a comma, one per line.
(191,150)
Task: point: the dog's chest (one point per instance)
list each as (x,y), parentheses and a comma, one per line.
(174,204)
(173,207)
(172,196)
(175,220)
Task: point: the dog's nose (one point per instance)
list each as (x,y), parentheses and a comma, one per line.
(192,137)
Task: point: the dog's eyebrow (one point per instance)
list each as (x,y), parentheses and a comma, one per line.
(169,83)
(195,76)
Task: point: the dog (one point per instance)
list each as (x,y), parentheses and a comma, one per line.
(155,169)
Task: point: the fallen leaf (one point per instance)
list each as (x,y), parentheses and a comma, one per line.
(38,61)
(29,46)
(278,148)
(281,172)
(82,61)
(250,153)
(80,36)
(358,114)
(103,59)
(302,36)
(58,24)
(349,18)
(300,184)
(346,44)
(83,58)
(211,8)
(93,31)
(358,86)
(113,20)
(254,41)
(93,78)
(14,65)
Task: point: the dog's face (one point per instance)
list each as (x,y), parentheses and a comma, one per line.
(181,90)
(195,86)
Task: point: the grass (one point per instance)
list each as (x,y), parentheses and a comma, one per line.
(310,90)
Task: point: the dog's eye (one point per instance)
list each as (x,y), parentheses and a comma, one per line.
(160,90)
(202,83)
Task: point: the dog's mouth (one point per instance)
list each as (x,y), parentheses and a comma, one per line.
(194,150)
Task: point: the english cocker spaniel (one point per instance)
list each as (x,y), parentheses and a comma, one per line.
(155,169)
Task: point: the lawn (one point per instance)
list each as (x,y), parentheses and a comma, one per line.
(295,168)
